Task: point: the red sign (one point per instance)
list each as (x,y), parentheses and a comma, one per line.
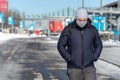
(55,26)
(3,6)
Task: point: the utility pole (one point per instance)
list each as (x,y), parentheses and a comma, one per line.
(68,11)
(73,12)
(57,13)
(82,3)
(101,13)
(100,3)
(53,14)
(63,12)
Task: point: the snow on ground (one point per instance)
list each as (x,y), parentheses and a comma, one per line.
(5,36)
(111,43)
(7,72)
(49,40)
(107,69)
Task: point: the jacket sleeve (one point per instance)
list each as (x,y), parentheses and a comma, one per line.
(97,46)
(62,44)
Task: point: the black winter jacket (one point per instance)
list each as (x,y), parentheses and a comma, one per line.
(80,48)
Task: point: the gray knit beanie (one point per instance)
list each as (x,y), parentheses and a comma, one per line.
(82,13)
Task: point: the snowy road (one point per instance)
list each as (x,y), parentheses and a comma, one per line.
(109,62)
(38,59)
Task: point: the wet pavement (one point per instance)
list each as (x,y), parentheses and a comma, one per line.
(38,59)
(27,59)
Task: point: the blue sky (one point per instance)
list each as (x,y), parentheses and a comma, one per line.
(47,6)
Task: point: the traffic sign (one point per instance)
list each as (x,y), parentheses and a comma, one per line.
(99,22)
(2,19)
(21,24)
(10,20)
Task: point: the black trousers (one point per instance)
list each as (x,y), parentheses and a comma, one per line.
(88,73)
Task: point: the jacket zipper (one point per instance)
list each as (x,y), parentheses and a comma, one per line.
(82,41)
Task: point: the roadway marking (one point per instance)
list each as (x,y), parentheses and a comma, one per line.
(110,62)
(13,51)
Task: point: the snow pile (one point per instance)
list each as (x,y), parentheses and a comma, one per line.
(111,43)
(5,36)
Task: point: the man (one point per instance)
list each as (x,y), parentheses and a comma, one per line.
(80,45)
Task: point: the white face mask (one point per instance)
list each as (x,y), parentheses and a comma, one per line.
(81,23)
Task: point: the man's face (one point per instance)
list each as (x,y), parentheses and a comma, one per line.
(81,22)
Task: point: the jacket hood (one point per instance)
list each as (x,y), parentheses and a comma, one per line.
(89,21)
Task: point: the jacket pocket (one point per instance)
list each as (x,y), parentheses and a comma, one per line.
(76,60)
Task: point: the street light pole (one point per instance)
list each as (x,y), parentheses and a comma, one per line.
(82,3)
(63,12)
(100,3)
(68,11)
